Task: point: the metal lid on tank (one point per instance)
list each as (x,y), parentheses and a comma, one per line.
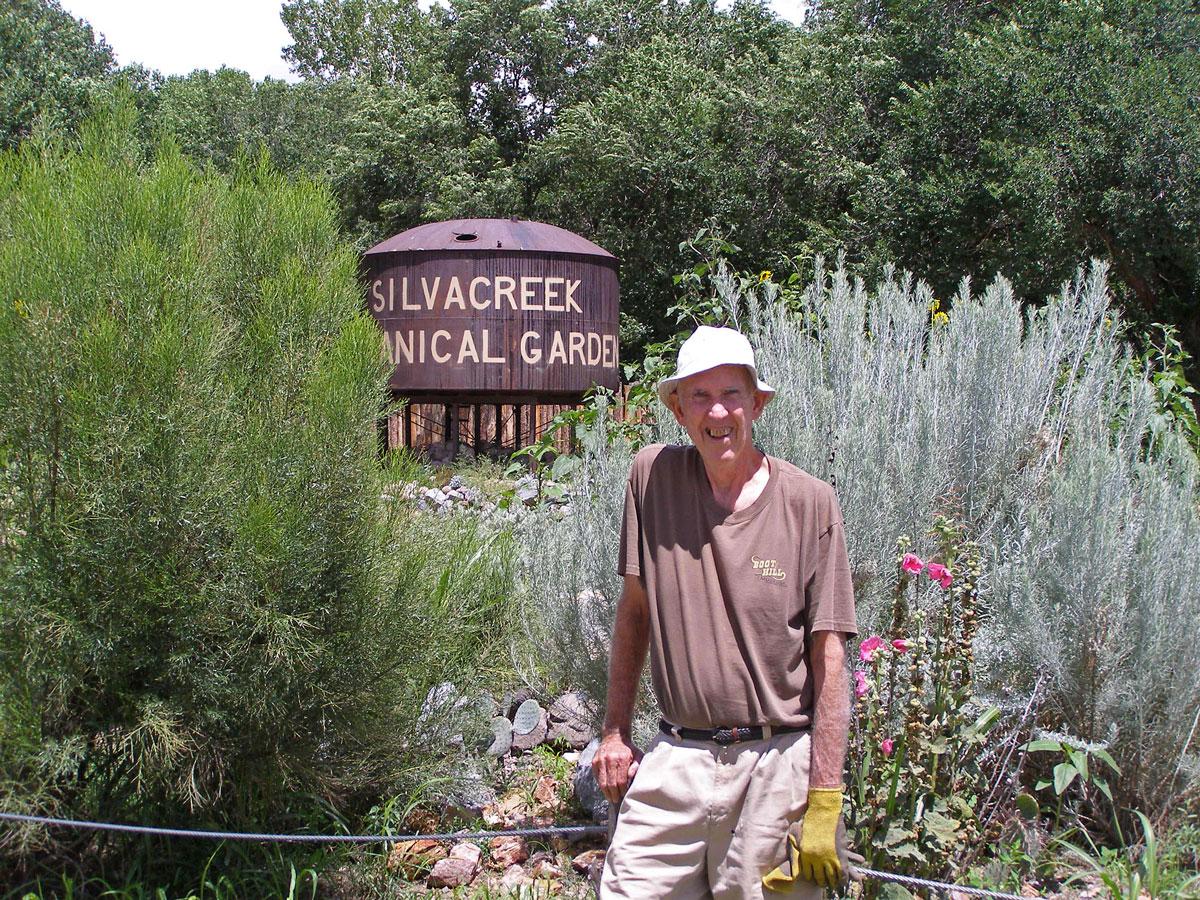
(490,234)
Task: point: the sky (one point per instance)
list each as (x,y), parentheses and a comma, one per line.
(178,36)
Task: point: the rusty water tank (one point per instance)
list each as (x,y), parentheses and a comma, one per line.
(495,310)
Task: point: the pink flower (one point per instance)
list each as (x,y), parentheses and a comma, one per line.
(861,685)
(940,574)
(901,645)
(866,650)
(887,746)
(912,563)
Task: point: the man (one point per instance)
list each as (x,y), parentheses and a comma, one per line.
(737,582)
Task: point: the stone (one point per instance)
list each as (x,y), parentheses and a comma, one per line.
(455,482)
(468,800)
(587,789)
(507,851)
(569,733)
(544,868)
(512,702)
(451,873)
(410,858)
(526,489)
(502,736)
(571,707)
(528,715)
(440,698)
(514,878)
(584,862)
(524,742)
(467,851)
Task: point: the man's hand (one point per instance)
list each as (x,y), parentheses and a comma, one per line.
(819,861)
(615,764)
(783,877)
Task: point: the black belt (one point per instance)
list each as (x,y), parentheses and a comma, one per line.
(726,736)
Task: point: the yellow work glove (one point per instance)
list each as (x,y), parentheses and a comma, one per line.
(816,846)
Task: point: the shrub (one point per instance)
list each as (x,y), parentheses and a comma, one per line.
(1036,431)
(208,613)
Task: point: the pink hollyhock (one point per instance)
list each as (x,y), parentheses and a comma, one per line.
(867,649)
(887,746)
(861,685)
(940,574)
(912,563)
(901,645)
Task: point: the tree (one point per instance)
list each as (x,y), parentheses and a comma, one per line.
(380,41)
(51,64)
(1024,139)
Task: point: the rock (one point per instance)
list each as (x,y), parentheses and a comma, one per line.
(512,702)
(502,736)
(514,879)
(467,851)
(440,697)
(526,489)
(507,851)
(546,867)
(571,707)
(468,800)
(585,861)
(528,715)
(523,742)
(455,482)
(546,791)
(570,720)
(452,873)
(569,733)
(411,858)
(587,789)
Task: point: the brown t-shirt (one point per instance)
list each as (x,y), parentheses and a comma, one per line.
(734,596)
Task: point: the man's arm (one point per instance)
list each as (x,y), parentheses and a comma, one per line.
(616,758)
(831,709)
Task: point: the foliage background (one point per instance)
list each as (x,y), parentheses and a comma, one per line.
(963,138)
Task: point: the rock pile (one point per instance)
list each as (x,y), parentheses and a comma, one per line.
(520,723)
(454,494)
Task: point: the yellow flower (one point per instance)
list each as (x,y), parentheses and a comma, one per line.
(764,275)
(19,306)
(940,318)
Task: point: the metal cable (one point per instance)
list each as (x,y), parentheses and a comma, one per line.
(940,886)
(304,838)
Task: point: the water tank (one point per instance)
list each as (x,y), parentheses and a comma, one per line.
(495,310)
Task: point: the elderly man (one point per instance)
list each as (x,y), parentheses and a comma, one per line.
(737,582)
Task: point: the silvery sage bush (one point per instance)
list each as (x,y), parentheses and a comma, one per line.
(1030,426)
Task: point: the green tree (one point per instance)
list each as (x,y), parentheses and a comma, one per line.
(380,41)
(208,614)
(1022,139)
(51,64)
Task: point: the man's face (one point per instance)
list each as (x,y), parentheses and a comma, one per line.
(717,408)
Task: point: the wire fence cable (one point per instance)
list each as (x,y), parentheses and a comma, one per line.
(560,830)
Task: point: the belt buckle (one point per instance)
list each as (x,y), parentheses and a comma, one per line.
(725,736)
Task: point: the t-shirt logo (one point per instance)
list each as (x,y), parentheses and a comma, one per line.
(768,568)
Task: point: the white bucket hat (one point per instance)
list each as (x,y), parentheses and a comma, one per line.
(708,348)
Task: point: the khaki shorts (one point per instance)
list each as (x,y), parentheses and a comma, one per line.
(701,820)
